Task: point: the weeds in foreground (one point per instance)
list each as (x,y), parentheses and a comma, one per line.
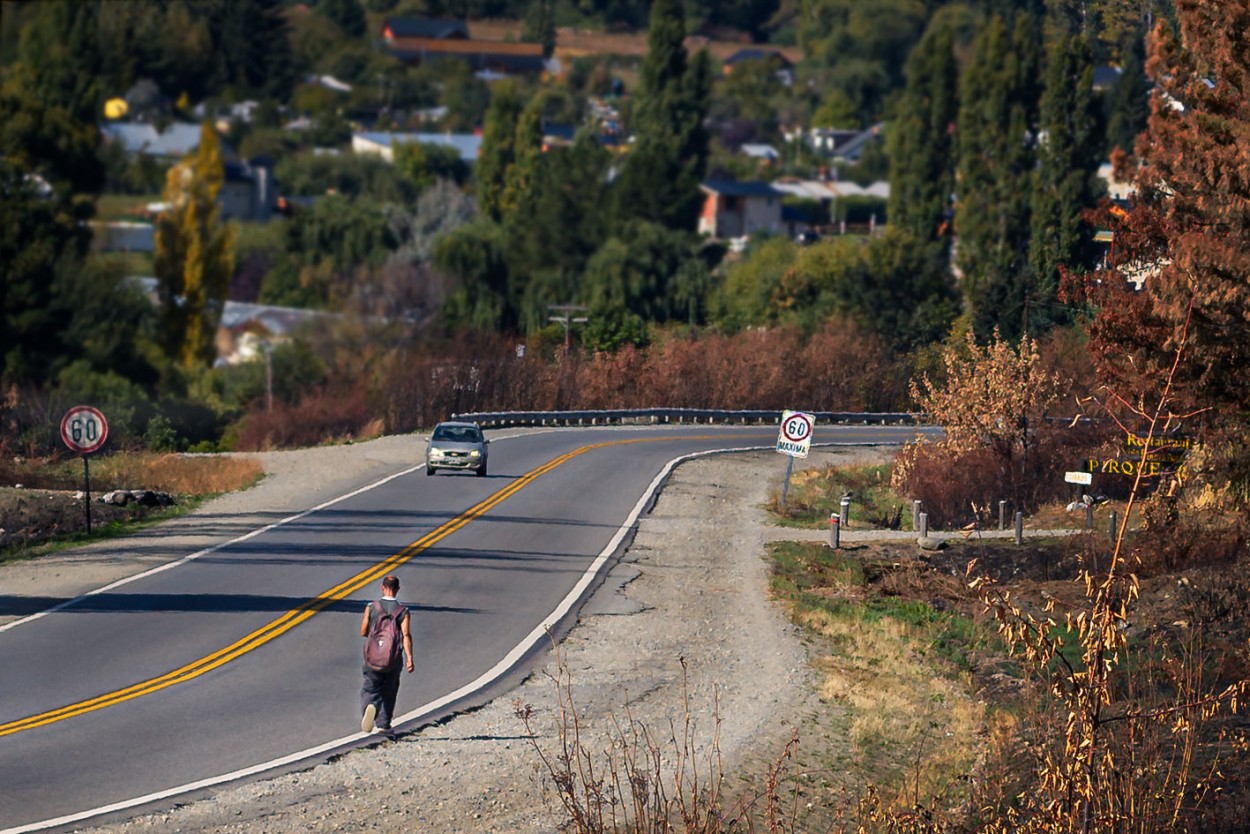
(1138,747)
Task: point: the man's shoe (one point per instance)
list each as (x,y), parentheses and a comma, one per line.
(366,722)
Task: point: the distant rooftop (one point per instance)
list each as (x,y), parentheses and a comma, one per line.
(176,141)
(734,188)
(466,144)
(424,27)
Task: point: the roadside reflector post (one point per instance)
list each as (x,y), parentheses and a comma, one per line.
(1019,528)
(1002,515)
(915,514)
(844,516)
(835,531)
(924,525)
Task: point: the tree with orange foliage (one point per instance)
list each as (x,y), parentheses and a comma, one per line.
(1187,236)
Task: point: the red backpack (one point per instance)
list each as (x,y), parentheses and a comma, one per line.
(384,647)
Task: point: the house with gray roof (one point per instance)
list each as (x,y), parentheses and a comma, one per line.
(173,143)
(733,209)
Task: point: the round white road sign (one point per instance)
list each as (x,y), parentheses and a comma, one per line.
(795,437)
(84,429)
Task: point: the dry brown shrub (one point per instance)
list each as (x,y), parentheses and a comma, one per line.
(320,417)
(178,474)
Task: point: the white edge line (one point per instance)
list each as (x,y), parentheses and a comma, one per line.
(527,644)
(205,552)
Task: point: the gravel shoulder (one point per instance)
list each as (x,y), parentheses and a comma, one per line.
(692,587)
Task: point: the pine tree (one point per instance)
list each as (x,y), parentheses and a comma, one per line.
(194,254)
(922,138)
(997,125)
(497,152)
(668,159)
(1067,182)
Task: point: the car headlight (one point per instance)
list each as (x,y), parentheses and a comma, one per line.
(436,452)
(475,453)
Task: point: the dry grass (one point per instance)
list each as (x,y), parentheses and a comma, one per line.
(181,475)
(910,726)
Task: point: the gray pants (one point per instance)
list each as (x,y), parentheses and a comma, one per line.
(380,689)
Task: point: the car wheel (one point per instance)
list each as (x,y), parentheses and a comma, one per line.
(429,470)
(481,471)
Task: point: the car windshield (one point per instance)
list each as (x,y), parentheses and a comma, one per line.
(457,434)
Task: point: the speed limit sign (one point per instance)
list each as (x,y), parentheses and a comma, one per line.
(795,437)
(84,429)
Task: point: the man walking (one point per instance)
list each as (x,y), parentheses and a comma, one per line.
(388,641)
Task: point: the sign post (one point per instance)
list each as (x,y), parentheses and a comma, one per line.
(84,430)
(795,440)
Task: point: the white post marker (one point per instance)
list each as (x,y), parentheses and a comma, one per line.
(795,440)
(795,437)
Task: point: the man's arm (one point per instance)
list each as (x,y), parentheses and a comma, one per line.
(407,642)
(364,623)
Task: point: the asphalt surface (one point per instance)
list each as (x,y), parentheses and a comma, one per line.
(245,660)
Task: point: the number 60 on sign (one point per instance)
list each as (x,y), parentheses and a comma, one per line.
(84,429)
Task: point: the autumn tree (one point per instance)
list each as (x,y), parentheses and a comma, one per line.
(1187,238)
(194,254)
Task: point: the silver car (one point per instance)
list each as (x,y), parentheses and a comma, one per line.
(456,446)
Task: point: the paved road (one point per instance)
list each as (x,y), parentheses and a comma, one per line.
(245,660)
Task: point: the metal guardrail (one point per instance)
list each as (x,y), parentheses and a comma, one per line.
(668,416)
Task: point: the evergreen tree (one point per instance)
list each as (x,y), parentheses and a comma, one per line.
(540,26)
(251,47)
(497,152)
(348,14)
(60,48)
(922,138)
(997,125)
(1128,105)
(660,177)
(194,254)
(55,310)
(521,176)
(1067,177)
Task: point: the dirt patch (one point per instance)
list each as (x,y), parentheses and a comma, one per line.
(33,517)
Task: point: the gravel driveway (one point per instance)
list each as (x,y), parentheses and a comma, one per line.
(692,586)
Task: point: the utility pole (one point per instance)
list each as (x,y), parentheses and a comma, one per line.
(563,313)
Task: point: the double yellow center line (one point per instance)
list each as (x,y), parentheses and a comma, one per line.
(293,618)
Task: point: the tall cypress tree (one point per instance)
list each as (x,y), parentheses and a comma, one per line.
(497,151)
(668,159)
(527,152)
(997,123)
(922,138)
(1128,105)
(1067,181)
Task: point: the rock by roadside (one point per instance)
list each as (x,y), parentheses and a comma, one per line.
(692,586)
